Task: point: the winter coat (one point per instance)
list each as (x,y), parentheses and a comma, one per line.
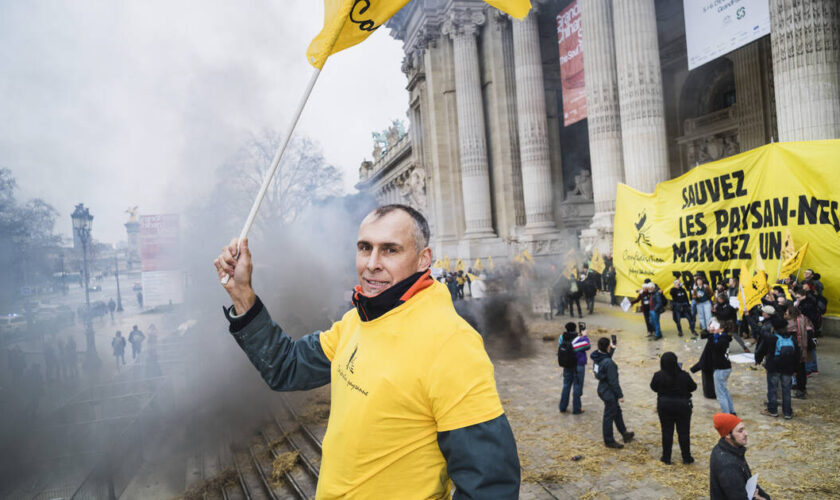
(671,381)
(703,294)
(645,298)
(766,351)
(718,352)
(729,472)
(606,371)
(658,301)
(679,296)
(725,312)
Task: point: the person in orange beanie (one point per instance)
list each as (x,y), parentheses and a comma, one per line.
(728,468)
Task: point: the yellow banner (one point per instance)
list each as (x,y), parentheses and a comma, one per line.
(718,215)
(349,22)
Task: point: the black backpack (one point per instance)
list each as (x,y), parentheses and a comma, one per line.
(566,356)
(822,304)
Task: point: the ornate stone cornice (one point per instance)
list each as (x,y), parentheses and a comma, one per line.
(463,22)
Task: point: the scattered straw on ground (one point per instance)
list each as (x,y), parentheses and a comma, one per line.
(795,458)
(282,464)
(197,491)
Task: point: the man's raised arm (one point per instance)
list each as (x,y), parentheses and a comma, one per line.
(285,364)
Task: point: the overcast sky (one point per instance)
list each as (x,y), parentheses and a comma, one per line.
(117,103)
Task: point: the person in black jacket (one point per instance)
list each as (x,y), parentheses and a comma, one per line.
(728,468)
(645,297)
(681,308)
(609,390)
(673,387)
(727,316)
(609,284)
(717,341)
(780,352)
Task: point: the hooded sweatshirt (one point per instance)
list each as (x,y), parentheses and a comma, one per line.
(606,371)
(671,381)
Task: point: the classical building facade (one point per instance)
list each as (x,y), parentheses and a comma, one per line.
(488,159)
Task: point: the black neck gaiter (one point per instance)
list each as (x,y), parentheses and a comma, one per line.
(371,308)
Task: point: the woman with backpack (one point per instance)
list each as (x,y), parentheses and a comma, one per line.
(673,387)
(781,353)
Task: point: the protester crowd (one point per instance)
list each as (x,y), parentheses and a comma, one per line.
(781,333)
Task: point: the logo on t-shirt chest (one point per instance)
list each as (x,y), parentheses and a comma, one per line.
(347,370)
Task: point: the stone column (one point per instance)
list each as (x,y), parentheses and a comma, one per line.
(805,37)
(749,89)
(602,107)
(640,94)
(533,128)
(462,27)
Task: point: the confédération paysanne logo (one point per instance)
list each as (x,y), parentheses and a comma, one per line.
(642,229)
(351,362)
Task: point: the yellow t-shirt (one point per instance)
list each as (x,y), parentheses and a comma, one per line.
(397,381)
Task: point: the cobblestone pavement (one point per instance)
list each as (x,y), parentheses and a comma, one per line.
(795,458)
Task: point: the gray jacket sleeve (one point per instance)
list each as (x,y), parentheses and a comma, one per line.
(285,364)
(481,460)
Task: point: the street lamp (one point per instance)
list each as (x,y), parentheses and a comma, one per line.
(82,224)
(117,276)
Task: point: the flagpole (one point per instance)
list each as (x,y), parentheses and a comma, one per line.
(275,163)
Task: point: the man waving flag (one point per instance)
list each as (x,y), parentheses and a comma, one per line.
(348,22)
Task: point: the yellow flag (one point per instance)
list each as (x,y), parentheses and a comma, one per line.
(446,265)
(518,258)
(792,265)
(349,22)
(437,263)
(597,262)
(742,279)
(490,263)
(756,289)
(473,277)
(570,271)
(788,248)
(527,255)
(478,266)
(759,263)
(460,266)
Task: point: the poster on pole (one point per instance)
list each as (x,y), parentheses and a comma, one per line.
(160,256)
(569,39)
(716,27)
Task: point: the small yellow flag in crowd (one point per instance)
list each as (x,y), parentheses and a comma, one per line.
(527,255)
(445,262)
(460,266)
(597,262)
(348,22)
(490,263)
(788,248)
(478,266)
(792,264)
